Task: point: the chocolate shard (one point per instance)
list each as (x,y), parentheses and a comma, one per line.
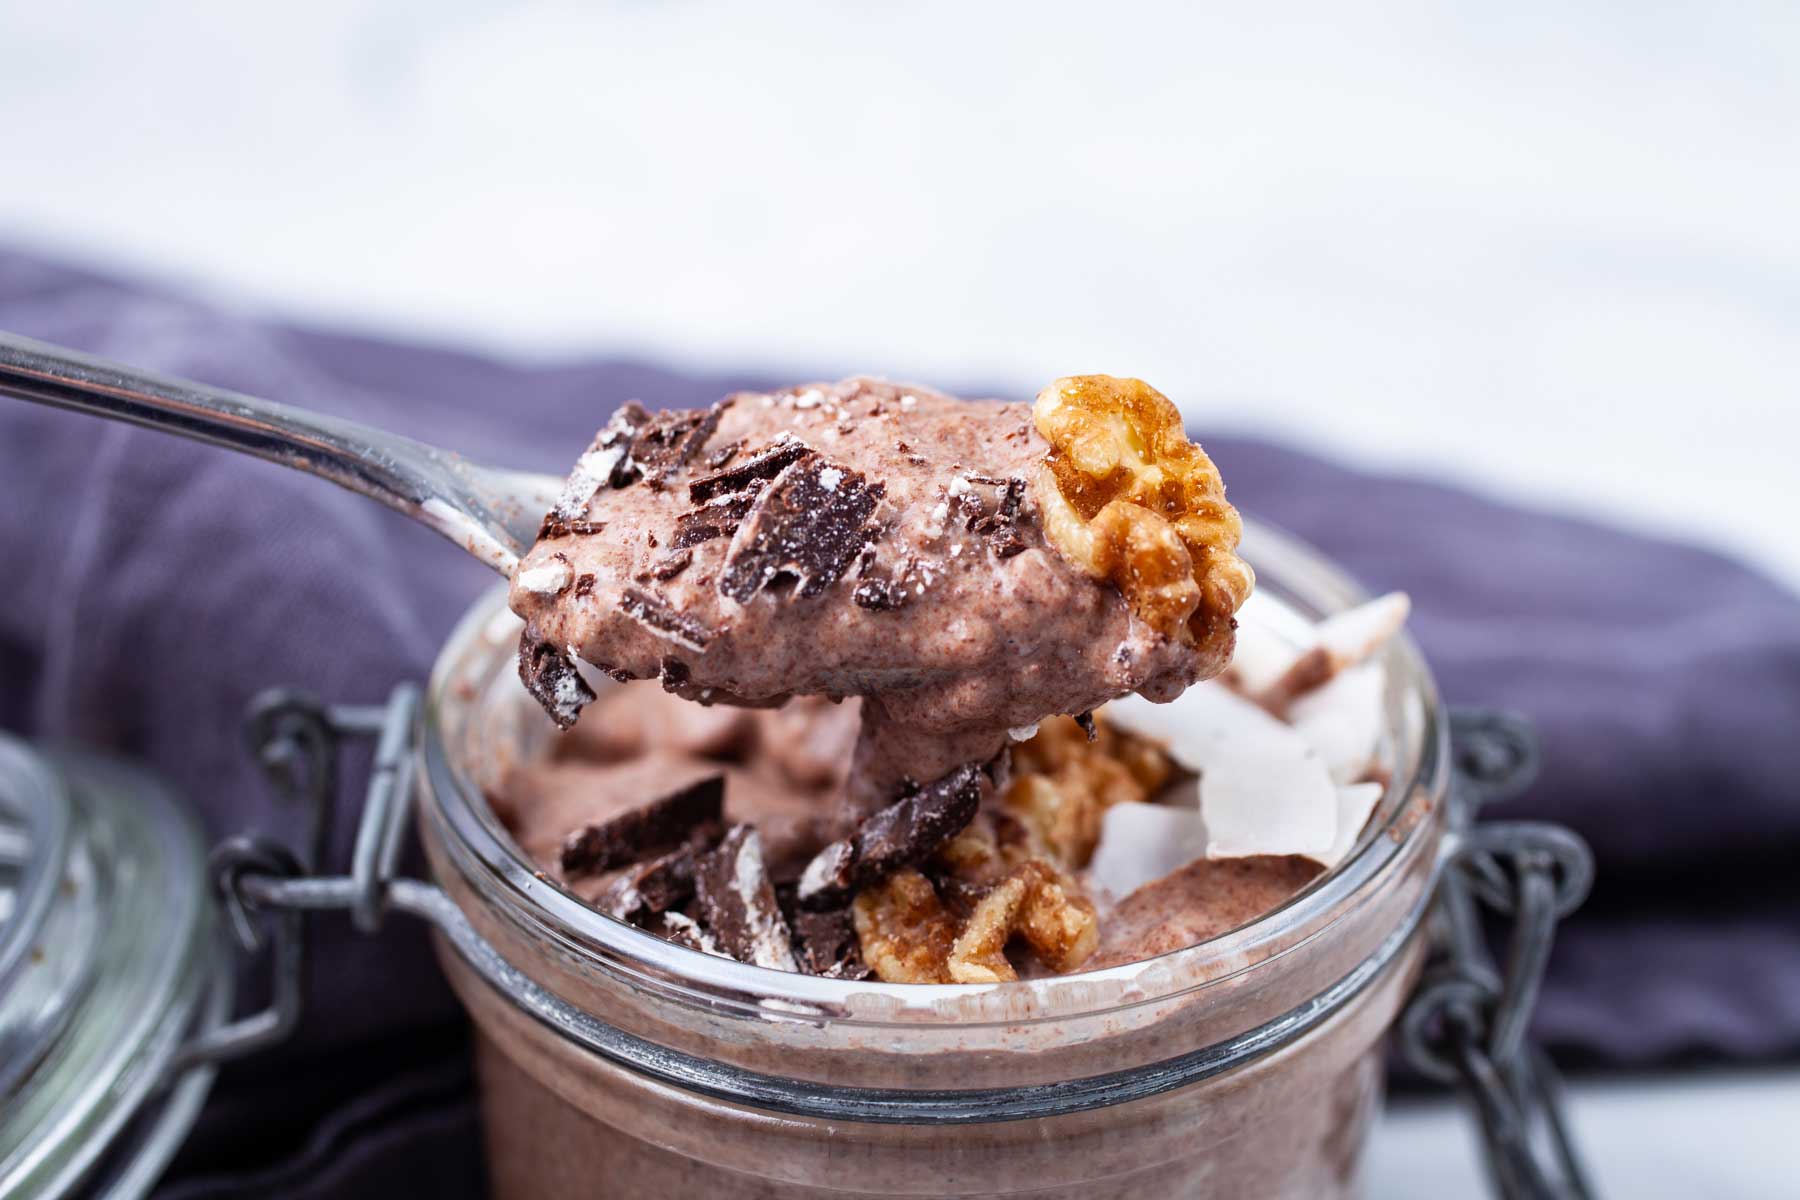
(1086,721)
(825,943)
(724,454)
(655,614)
(683,930)
(752,473)
(646,830)
(605,463)
(558,526)
(880,592)
(665,442)
(903,834)
(715,519)
(671,564)
(736,902)
(807,527)
(1001,527)
(662,883)
(553,680)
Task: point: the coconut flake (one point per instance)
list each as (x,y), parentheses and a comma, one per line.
(1264,789)
(1357,633)
(1143,842)
(546,579)
(1354,804)
(1342,720)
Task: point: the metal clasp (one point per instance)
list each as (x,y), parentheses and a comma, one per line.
(296,739)
(1467,1023)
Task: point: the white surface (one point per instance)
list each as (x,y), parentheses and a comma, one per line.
(1717,1137)
(1548,247)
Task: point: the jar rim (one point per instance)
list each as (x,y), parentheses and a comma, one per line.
(485,852)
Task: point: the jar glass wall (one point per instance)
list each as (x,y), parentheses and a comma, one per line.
(1245,1066)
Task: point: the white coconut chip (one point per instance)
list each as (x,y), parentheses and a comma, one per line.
(1143,842)
(1354,804)
(1354,634)
(1264,789)
(1342,720)
(1346,639)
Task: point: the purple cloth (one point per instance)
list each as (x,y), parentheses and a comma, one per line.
(158,585)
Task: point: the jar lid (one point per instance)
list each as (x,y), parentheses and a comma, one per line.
(108,964)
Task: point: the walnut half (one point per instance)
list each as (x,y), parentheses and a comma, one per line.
(1130,500)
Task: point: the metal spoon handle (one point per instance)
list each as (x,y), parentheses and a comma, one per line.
(486,511)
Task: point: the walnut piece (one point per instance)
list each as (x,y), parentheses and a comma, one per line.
(905,930)
(1130,500)
(1039,905)
(1063,783)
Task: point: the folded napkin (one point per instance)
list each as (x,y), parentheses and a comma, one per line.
(157,585)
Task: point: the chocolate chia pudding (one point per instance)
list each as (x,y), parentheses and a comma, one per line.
(914,745)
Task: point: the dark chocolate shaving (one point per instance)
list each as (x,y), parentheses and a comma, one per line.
(648,829)
(683,930)
(807,527)
(1086,721)
(674,674)
(665,442)
(553,680)
(880,592)
(654,614)
(724,454)
(715,519)
(736,902)
(752,473)
(584,585)
(662,883)
(902,834)
(825,943)
(1000,527)
(671,564)
(558,526)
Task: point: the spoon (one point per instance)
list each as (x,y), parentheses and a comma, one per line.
(491,512)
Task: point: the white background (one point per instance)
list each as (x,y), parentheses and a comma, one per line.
(1553,249)
(1550,249)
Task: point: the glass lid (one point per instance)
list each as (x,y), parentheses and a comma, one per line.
(107,963)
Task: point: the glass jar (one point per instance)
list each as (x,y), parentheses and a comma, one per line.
(1248,1066)
(108,964)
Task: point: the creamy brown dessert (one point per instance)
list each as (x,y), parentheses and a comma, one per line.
(940,594)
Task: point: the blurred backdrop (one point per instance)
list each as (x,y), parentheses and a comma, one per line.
(1548,249)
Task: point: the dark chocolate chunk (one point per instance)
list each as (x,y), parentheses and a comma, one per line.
(557,526)
(904,833)
(662,444)
(715,519)
(736,902)
(724,454)
(1086,721)
(881,592)
(750,474)
(648,829)
(584,584)
(553,680)
(1000,527)
(654,614)
(674,674)
(806,529)
(660,884)
(826,944)
(683,930)
(671,564)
